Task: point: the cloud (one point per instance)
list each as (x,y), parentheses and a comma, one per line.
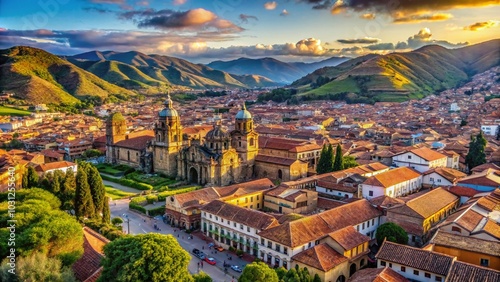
(244,18)
(196,19)
(338,7)
(179,2)
(481,25)
(319,4)
(368,16)
(366,40)
(416,18)
(142,3)
(284,13)
(98,10)
(270,5)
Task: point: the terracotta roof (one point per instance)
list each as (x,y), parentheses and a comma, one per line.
(51,153)
(483,167)
(53,165)
(449,174)
(427,154)
(335,186)
(456,241)
(275,160)
(322,257)
(249,217)
(493,228)
(462,191)
(416,258)
(485,178)
(324,203)
(392,177)
(461,271)
(427,204)
(377,275)
(348,238)
(386,201)
(88,266)
(317,226)
(135,143)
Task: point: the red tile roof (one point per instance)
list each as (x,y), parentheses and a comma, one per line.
(322,257)
(89,265)
(348,238)
(462,271)
(392,177)
(377,275)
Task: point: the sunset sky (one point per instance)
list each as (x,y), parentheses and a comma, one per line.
(290,30)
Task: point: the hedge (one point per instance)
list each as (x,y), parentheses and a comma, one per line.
(151,199)
(157,211)
(136,207)
(163,195)
(141,200)
(128,183)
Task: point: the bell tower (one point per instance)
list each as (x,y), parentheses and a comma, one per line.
(116,131)
(244,138)
(168,139)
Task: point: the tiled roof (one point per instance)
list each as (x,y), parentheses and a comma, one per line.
(377,275)
(427,204)
(485,178)
(386,201)
(416,258)
(392,177)
(427,154)
(456,241)
(449,174)
(53,165)
(245,216)
(462,191)
(461,271)
(493,228)
(135,143)
(483,167)
(348,238)
(324,203)
(321,257)
(88,266)
(317,226)
(275,160)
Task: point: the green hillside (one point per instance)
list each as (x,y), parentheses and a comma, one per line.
(8,111)
(37,76)
(399,76)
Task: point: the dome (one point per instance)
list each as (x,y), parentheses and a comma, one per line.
(169,110)
(116,117)
(243,113)
(217,133)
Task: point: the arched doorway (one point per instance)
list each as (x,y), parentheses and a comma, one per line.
(341,278)
(193,175)
(280,174)
(352,269)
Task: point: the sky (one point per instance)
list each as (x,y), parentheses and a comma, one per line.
(289,30)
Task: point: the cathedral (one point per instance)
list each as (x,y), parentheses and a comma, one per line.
(221,158)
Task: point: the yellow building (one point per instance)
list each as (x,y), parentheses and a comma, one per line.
(467,249)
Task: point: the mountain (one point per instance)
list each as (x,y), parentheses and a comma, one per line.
(399,76)
(137,70)
(37,76)
(273,69)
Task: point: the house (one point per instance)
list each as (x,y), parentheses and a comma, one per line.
(485,181)
(63,166)
(394,183)
(284,199)
(75,148)
(462,271)
(343,188)
(279,244)
(377,275)
(183,210)
(441,176)
(283,169)
(483,167)
(233,226)
(490,126)
(413,263)
(421,159)
(471,250)
(418,215)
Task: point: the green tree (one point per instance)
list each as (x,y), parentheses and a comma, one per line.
(106,214)
(37,267)
(338,163)
(281,272)
(57,182)
(31,179)
(97,188)
(316,278)
(91,153)
(392,232)
(325,163)
(258,272)
(84,206)
(145,257)
(68,190)
(349,162)
(202,277)
(117,221)
(476,155)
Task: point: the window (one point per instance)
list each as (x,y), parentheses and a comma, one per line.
(261,241)
(427,275)
(373,221)
(257,197)
(370,193)
(258,205)
(251,206)
(390,265)
(382,263)
(241,226)
(248,229)
(367,224)
(216,218)
(251,199)
(246,200)
(285,250)
(415,272)
(210,216)
(278,248)
(222,220)
(431,179)
(409,157)
(316,242)
(234,224)
(485,262)
(309,245)
(439,279)
(403,269)
(439,180)
(363,226)
(456,229)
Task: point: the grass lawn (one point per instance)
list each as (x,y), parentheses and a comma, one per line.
(116,194)
(7,111)
(155,181)
(109,169)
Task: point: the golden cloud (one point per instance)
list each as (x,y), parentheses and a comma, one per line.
(481,25)
(368,16)
(416,18)
(270,5)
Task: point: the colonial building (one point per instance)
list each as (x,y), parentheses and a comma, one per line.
(441,176)
(284,199)
(233,226)
(393,183)
(421,159)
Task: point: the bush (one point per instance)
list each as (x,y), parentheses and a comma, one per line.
(163,195)
(231,249)
(151,199)
(157,211)
(128,183)
(109,231)
(239,252)
(136,207)
(141,201)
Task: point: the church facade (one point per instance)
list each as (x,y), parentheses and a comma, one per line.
(221,159)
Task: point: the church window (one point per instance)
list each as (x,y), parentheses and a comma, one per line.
(216,146)
(128,155)
(251,141)
(192,157)
(239,144)
(175,137)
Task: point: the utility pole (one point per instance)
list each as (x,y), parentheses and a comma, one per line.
(128,226)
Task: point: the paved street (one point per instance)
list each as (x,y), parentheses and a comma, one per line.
(139,223)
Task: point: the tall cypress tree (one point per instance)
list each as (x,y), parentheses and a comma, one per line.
(476,155)
(97,189)
(106,214)
(325,163)
(30,178)
(338,164)
(68,189)
(84,206)
(57,182)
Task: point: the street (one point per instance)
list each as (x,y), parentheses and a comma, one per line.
(138,223)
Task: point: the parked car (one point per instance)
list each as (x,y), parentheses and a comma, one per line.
(236,268)
(201,255)
(196,251)
(210,260)
(219,248)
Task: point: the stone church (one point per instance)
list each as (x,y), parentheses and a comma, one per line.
(221,159)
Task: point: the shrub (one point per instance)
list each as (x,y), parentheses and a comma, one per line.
(136,207)
(128,183)
(157,211)
(151,199)
(231,249)
(163,195)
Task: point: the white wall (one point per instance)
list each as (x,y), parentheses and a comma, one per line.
(436,180)
(334,192)
(408,273)
(417,162)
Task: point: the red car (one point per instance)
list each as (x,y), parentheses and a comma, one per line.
(210,260)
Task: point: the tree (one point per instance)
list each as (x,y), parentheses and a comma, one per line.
(391,232)
(68,190)
(316,278)
(258,272)
(91,153)
(476,155)
(325,163)
(37,267)
(202,277)
(116,221)
(349,162)
(463,122)
(31,179)
(338,164)
(145,257)
(57,182)
(281,272)
(84,206)
(106,214)
(97,189)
